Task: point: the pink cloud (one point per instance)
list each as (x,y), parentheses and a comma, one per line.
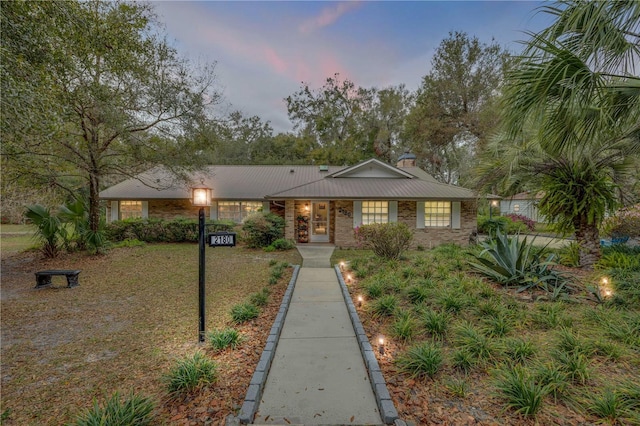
(328,16)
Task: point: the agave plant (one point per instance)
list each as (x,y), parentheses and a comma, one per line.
(514,262)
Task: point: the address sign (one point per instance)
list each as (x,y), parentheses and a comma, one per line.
(222,239)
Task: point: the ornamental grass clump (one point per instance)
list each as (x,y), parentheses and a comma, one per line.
(244,312)
(130,410)
(225,338)
(520,390)
(190,373)
(421,360)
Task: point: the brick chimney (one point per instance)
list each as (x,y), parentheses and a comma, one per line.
(407,159)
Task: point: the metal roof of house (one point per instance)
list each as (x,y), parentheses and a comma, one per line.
(364,188)
(281,182)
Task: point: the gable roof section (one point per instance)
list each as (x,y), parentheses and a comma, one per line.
(372,169)
(375,189)
(370,179)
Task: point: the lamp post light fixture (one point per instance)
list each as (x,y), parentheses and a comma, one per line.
(201,197)
(492,204)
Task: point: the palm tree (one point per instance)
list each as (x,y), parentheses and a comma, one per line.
(50,230)
(575,86)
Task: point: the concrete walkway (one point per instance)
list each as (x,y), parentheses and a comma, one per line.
(318,375)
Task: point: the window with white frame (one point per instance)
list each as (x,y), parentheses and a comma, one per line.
(437,214)
(375,212)
(130,210)
(237,210)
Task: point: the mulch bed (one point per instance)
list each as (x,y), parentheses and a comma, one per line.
(212,404)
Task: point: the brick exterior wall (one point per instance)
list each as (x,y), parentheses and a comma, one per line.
(341,220)
(427,238)
(171,209)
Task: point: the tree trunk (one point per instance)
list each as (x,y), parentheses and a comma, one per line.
(588,237)
(94,203)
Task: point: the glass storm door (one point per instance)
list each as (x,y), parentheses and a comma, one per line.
(320,222)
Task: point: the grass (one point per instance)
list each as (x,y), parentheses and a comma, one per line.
(191,372)
(131,410)
(134,313)
(424,359)
(224,338)
(539,357)
(243,312)
(16,238)
(520,390)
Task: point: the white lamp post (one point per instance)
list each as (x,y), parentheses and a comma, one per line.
(201,197)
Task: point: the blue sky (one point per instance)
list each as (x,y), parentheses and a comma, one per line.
(265,49)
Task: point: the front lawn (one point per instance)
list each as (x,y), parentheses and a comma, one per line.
(133,316)
(460,349)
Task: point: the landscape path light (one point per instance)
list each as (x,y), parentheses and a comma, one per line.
(201,197)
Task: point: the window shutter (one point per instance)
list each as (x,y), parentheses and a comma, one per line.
(266,206)
(114,211)
(420,215)
(145,210)
(455,215)
(357,213)
(213,210)
(393,211)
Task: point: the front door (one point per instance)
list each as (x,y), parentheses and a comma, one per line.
(320,222)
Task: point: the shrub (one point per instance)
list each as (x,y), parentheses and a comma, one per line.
(387,240)
(625,223)
(519,388)
(132,410)
(282,244)
(244,312)
(262,229)
(518,218)
(190,373)
(222,339)
(423,359)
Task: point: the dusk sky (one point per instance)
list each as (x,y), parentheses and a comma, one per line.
(264,50)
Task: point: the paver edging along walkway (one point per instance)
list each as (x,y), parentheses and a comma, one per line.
(259,378)
(386,407)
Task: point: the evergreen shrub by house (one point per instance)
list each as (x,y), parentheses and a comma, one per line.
(262,229)
(162,231)
(387,240)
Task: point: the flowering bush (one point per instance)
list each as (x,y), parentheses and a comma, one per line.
(530,224)
(387,240)
(624,223)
